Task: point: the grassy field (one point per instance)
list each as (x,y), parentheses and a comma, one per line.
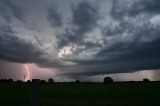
(116,94)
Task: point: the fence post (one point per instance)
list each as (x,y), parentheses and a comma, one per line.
(35,91)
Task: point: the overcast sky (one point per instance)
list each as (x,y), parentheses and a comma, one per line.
(80,39)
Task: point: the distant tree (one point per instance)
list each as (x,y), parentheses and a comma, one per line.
(42,81)
(132,81)
(77,82)
(50,81)
(3,80)
(108,80)
(10,80)
(28,81)
(71,82)
(146,80)
(19,81)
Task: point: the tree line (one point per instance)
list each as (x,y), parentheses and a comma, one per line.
(51,81)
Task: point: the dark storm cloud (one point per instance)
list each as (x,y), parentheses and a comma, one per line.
(111,30)
(139,50)
(128,41)
(119,10)
(15,49)
(9,8)
(143,57)
(149,6)
(145,51)
(54,18)
(85,17)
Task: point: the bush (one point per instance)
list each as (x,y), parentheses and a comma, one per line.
(19,81)
(108,80)
(10,80)
(50,80)
(77,82)
(145,80)
(28,82)
(42,81)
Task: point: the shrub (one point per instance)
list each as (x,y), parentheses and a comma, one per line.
(145,80)
(77,82)
(50,80)
(108,80)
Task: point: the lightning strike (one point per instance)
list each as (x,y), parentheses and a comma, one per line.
(27,71)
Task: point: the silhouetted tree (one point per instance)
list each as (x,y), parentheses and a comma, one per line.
(72,82)
(42,81)
(77,82)
(10,80)
(145,80)
(28,81)
(108,80)
(19,81)
(3,80)
(132,81)
(50,81)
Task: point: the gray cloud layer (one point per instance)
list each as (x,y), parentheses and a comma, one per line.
(54,17)
(15,49)
(124,40)
(85,17)
(9,9)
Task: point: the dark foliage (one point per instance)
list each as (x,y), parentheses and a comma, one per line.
(42,81)
(108,80)
(146,80)
(6,81)
(28,82)
(77,82)
(19,81)
(50,81)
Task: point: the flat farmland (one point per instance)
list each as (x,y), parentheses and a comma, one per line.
(115,94)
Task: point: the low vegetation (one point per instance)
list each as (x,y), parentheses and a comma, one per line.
(82,94)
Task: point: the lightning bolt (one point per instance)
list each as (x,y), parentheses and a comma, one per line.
(27,71)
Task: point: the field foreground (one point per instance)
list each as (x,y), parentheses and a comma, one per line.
(116,94)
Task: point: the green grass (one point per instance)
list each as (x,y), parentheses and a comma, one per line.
(116,94)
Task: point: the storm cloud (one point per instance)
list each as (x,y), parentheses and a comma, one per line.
(15,49)
(134,8)
(10,9)
(85,17)
(84,37)
(54,17)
